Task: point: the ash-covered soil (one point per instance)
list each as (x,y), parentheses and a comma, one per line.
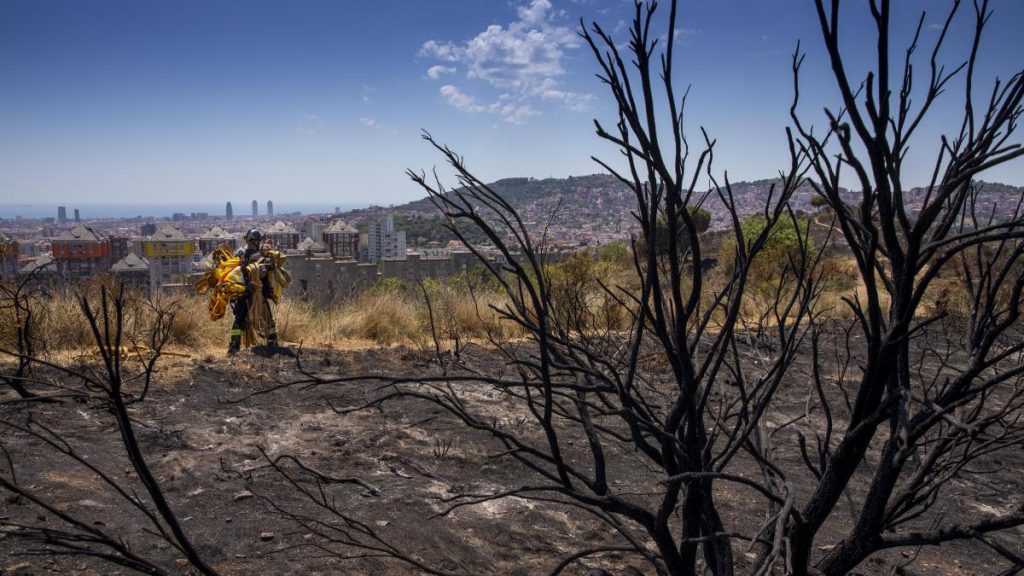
(206,431)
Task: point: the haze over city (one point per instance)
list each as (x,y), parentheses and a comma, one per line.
(315,102)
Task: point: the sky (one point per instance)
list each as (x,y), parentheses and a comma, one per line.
(132,101)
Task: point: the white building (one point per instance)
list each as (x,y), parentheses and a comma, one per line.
(382,241)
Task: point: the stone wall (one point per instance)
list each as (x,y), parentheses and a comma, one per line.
(323,281)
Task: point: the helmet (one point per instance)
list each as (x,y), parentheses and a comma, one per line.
(254,236)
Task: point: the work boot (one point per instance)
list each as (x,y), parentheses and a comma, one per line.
(235,345)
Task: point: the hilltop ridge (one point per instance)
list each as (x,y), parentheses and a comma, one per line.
(597,208)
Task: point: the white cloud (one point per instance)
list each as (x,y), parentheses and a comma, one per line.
(536,13)
(511,111)
(525,60)
(462,101)
(441,51)
(367,121)
(435,72)
(572,100)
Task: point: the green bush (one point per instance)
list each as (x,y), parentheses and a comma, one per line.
(782,247)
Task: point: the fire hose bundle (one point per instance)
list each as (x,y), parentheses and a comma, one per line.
(230,279)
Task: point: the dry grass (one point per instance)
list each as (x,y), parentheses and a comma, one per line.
(461,310)
(59,324)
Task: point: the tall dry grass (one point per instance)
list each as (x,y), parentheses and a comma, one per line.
(59,324)
(461,308)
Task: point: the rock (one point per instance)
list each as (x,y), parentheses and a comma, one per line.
(243,495)
(266,536)
(382,523)
(598,572)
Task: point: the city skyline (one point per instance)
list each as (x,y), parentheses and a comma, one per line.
(323,103)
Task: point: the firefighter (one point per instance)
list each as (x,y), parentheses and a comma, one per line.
(254,264)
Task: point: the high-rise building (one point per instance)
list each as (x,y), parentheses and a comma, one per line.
(78,218)
(228,212)
(62,214)
(313,227)
(270,208)
(255,209)
(383,241)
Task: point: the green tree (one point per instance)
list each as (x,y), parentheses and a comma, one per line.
(701,221)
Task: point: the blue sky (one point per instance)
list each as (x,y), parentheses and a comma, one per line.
(323,101)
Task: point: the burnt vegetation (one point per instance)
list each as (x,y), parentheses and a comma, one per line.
(714,420)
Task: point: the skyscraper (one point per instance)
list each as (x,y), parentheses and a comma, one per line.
(62,214)
(255,209)
(228,213)
(270,207)
(78,218)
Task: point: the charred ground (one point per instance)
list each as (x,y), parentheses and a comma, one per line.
(210,428)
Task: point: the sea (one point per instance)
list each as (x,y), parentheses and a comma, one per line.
(25,210)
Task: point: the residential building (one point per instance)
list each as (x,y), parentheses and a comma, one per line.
(284,236)
(313,227)
(382,241)
(214,237)
(169,253)
(341,240)
(133,270)
(311,247)
(81,252)
(43,268)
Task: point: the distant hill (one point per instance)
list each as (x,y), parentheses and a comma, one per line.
(572,210)
(597,208)
(523,191)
